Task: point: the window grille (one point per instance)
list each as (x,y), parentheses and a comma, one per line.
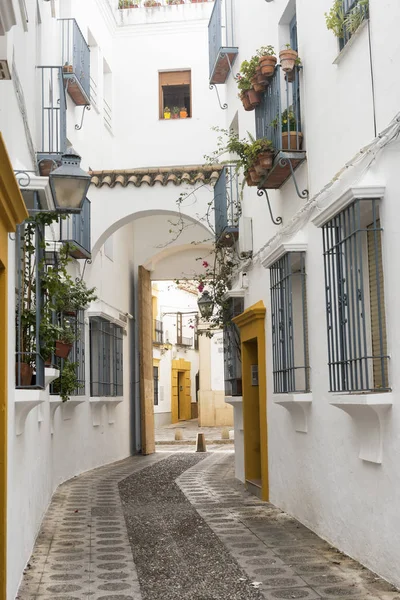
(232,350)
(76,323)
(156,380)
(354,13)
(158,332)
(289,324)
(106,358)
(355,306)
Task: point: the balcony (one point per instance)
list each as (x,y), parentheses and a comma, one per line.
(278,118)
(184,341)
(52,141)
(222,51)
(226,200)
(158,332)
(75,231)
(76,62)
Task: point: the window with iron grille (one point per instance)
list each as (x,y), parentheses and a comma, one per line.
(355,304)
(232,349)
(106,358)
(156,380)
(158,332)
(289,324)
(76,322)
(354,13)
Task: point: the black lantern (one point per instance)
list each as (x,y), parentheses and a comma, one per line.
(69,183)
(206,305)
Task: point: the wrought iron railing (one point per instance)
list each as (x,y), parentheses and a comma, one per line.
(76,323)
(106,358)
(184,341)
(107,115)
(75,54)
(226,201)
(53,117)
(355,12)
(158,332)
(232,349)
(278,116)
(29,305)
(94,92)
(75,230)
(289,324)
(220,30)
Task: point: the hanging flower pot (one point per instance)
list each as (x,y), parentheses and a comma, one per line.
(290,76)
(288,59)
(254,176)
(265,160)
(258,87)
(245,101)
(262,79)
(254,98)
(62,349)
(267,64)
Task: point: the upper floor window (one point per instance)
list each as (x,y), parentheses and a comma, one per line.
(175,94)
(345,17)
(289,324)
(355,303)
(106,358)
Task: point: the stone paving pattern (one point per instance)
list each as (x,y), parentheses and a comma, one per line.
(83,549)
(189,430)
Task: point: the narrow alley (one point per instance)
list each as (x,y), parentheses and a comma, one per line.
(178,525)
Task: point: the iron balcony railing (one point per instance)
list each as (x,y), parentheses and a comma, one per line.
(221,48)
(278,116)
(75,231)
(158,332)
(184,341)
(94,92)
(52,141)
(226,206)
(75,58)
(107,115)
(355,12)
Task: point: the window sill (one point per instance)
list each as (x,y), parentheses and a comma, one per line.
(369,412)
(298,405)
(349,44)
(173,120)
(110,403)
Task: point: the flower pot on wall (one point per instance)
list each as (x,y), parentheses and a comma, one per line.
(292,140)
(267,64)
(245,101)
(288,59)
(62,349)
(254,98)
(258,87)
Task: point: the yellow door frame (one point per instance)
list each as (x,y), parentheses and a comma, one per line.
(181,366)
(252,334)
(12,212)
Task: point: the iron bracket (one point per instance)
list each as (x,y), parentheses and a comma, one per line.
(23,178)
(224,106)
(86,107)
(282,163)
(88,261)
(276,221)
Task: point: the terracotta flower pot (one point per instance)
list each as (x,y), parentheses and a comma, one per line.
(174,115)
(290,76)
(246,102)
(288,59)
(265,160)
(23,374)
(254,98)
(292,141)
(258,87)
(62,349)
(68,69)
(260,170)
(267,64)
(254,176)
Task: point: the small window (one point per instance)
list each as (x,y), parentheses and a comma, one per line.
(175,95)
(289,324)
(106,358)
(155,377)
(355,301)
(354,13)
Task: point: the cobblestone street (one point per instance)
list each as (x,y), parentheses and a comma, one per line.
(178,525)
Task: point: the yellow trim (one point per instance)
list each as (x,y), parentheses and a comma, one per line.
(156,362)
(252,334)
(181,369)
(12,212)
(154,305)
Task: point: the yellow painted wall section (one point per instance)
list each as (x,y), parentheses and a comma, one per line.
(12,212)
(252,334)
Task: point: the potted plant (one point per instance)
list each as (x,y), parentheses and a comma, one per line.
(169,2)
(167,112)
(67,68)
(292,139)
(65,341)
(151,3)
(67,383)
(128,4)
(249,97)
(288,58)
(175,112)
(183,113)
(267,60)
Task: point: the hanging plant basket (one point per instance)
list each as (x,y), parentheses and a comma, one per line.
(288,59)
(267,64)
(62,349)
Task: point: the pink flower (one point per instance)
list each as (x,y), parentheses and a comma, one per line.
(201,287)
(205,264)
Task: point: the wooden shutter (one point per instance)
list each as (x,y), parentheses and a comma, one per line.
(377,303)
(175,78)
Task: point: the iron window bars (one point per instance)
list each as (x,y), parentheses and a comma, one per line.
(291,372)
(158,332)
(354,12)
(76,322)
(355,308)
(29,305)
(106,358)
(155,377)
(232,350)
